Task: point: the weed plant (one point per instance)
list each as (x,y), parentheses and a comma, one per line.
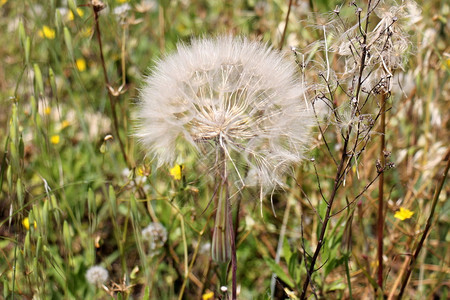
(86,213)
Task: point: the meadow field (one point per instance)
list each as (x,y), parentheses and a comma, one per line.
(106,194)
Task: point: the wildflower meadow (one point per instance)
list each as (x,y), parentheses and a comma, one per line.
(194,149)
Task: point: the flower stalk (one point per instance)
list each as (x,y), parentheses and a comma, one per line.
(97,6)
(380,220)
(221,240)
(223,248)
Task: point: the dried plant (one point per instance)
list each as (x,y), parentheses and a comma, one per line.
(356,63)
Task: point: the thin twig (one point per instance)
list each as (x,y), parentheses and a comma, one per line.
(283,36)
(96,9)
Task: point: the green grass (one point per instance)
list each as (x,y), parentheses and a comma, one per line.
(89,205)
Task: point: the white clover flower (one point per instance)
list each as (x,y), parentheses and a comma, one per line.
(97,275)
(227,95)
(155,234)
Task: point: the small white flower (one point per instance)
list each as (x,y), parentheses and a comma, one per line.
(231,97)
(155,234)
(97,275)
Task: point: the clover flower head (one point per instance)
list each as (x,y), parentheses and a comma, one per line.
(231,96)
(156,234)
(97,275)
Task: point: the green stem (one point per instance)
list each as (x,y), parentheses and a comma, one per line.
(347,271)
(221,247)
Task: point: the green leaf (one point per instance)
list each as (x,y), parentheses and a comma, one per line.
(294,268)
(279,272)
(68,40)
(287,250)
(38,79)
(336,286)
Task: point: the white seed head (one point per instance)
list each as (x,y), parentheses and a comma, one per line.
(231,95)
(155,234)
(96,275)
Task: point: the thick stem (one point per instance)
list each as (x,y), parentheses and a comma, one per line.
(233,253)
(223,247)
(380,221)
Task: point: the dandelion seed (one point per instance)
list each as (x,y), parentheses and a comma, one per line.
(47,32)
(155,234)
(55,139)
(97,275)
(403,214)
(227,95)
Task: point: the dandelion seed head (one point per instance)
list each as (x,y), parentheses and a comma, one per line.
(97,275)
(227,94)
(156,234)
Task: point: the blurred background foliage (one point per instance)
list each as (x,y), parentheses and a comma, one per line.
(69,200)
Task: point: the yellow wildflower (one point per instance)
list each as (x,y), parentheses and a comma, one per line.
(47,32)
(65,124)
(86,32)
(81,64)
(71,16)
(403,214)
(47,110)
(208,295)
(54,139)
(175,172)
(122,1)
(140,171)
(3,2)
(26,223)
